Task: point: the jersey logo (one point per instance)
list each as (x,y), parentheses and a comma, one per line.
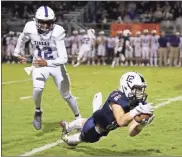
(117,97)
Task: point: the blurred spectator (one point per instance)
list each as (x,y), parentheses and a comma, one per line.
(174,49)
(163,49)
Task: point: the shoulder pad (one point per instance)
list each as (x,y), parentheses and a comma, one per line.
(30,27)
(58,32)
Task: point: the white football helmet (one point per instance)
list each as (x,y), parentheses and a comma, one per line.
(133,85)
(82,31)
(11,33)
(91,33)
(138,33)
(45,19)
(101,33)
(126,32)
(145,31)
(75,32)
(153,31)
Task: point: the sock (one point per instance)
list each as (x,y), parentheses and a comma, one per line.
(113,63)
(155,61)
(38,109)
(37,97)
(151,61)
(73,105)
(76,124)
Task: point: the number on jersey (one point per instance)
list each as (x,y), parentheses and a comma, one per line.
(47,54)
(85,40)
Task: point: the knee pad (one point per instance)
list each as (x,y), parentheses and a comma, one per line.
(38,89)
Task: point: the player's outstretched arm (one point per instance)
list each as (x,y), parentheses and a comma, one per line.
(122,119)
(22,39)
(135,128)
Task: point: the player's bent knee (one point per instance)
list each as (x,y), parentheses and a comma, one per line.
(38,89)
(39,84)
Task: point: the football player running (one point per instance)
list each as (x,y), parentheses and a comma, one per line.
(119,110)
(87,44)
(49,57)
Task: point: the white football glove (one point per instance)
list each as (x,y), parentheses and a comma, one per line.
(145,109)
(142,109)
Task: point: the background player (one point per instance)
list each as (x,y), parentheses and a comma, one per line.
(92,53)
(127,47)
(154,48)
(145,46)
(137,48)
(87,42)
(49,58)
(101,49)
(11,41)
(119,41)
(74,46)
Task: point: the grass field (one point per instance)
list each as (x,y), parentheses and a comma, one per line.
(162,137)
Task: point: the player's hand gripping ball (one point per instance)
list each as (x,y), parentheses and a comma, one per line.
(141,117)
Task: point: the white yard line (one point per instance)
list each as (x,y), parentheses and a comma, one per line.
(17,81)
(25,97)
(29,97)
(47,146)
(50,145)
(168,101)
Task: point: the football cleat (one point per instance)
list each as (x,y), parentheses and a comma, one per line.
(64,126)
(37,120)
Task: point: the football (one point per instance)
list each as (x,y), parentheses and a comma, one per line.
(140,117)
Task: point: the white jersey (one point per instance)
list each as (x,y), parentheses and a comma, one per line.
(137,42)
(50,47)
(11,41)
(101,41)
(67,41)
(86,41)
(74,40)
(132,40)
(110,42)
(180,46)
(145,40)
(154,42)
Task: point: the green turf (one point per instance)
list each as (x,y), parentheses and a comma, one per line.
(163,137)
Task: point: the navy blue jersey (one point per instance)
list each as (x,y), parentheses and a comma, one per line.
(104,117)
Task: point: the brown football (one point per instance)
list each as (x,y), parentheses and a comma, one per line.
(140,117)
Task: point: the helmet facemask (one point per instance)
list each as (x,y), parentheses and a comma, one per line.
(44,26)
(138,93)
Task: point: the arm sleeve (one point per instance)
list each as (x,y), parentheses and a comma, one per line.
(62,54)
(23,38)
